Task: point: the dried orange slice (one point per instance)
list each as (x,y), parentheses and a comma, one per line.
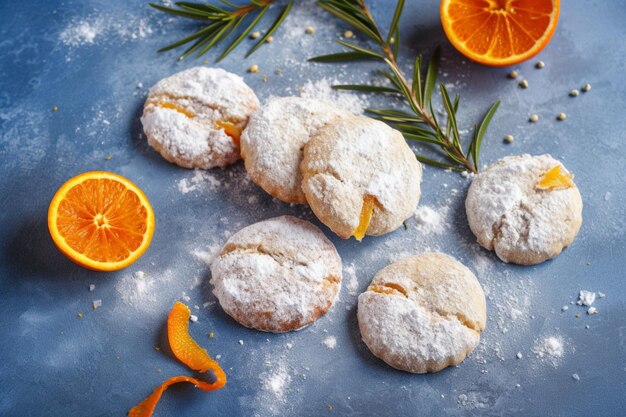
(499,32)
(101,221)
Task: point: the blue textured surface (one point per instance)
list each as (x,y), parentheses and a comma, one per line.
(53,363)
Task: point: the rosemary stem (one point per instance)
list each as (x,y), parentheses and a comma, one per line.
(428,118)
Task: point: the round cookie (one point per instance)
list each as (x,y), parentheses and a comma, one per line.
(523,221)
(272,143)
(422,313)
(194,118)
(277,275)
(360,177)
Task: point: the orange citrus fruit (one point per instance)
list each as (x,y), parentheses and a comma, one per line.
(101,221)
(499,32)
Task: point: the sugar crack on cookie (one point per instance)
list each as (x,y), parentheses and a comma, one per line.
(194,118)
(360,177)
(422,313)
(525,208)
(272,143)
(277,275)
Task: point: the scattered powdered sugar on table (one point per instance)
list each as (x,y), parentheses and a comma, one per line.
(90,30)
(352,284)
(551,349)
(201,180)
(207,255)
(136,288)
(276,381)
(81,33)
(586,298)
(322,90)
(431,220)
(330,342)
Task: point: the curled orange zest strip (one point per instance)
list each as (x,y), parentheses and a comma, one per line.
(185,348)
(147,406)
(188,352)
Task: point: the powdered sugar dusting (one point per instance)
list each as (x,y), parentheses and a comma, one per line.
(277,381)
(352,284)
(431,220)
(201,180)
(322,90)
(550,349)
(330,342)
(92,29)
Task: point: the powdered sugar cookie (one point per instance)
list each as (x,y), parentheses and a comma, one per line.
(277,275)
(272,143)
(194,118)
(360,177)
(422,313)
(526,208)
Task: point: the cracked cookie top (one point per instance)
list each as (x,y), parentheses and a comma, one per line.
(272,143)
(422,313)
(525,208)
(277,275)
(194,118)
(360,177)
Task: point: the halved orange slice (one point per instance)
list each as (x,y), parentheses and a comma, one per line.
(499,32)
(101,221)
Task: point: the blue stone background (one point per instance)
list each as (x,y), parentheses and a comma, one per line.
(53,363)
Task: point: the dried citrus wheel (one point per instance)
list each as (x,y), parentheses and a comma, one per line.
(499,32)
(101,221)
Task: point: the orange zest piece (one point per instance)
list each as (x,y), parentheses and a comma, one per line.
(555,179)
(185,348)
(187,351)
(147,406)
(369,201)
(499,32)
(230,129)
(171,106)
(101,221)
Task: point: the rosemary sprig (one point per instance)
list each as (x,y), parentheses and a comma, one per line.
(421,123)
(221,22)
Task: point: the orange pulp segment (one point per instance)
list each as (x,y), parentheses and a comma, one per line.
(499,32)
(147,406)
(369,201)
(185,348)
(230,129)
(172,106)
(555,179)
(101,221)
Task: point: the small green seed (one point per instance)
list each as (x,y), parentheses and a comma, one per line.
(533,118)
(310,30)
(574,93)
(586,87)
(540,65)
(508,139)
(348,34)
(269,39)
(512,74)
(255,35)
(523,84)
(561,116)
(254,68)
